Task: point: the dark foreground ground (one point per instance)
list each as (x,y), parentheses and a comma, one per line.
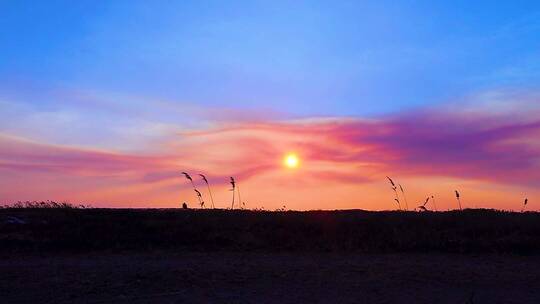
(269,278)
(175,256)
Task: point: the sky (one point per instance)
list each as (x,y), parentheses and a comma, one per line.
(106,103)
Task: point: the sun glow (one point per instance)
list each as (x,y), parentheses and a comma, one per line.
(291,160)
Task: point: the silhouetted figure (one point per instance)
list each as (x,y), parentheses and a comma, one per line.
(184,206)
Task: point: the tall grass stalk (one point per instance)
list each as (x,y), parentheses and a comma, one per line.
(233,184)
(524,204)
(188,177)
(240,203)
(404,198)
(199,196)
(458,199)
(209,191)
(395,191)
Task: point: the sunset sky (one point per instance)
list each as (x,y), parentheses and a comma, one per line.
(107,102)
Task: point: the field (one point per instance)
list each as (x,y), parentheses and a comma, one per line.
(66,255)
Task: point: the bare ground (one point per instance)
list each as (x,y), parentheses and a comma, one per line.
(268,278)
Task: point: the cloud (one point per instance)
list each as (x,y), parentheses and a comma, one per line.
(458,144)
(424,143)
(462,144)
(32,156)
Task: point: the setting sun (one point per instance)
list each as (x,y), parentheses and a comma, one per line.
(291,161)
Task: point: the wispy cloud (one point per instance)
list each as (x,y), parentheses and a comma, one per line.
(458,143)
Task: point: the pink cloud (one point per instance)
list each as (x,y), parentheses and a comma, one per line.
(461,145)
(25,155)
(495,149)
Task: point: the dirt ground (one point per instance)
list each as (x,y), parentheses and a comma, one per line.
(269,278)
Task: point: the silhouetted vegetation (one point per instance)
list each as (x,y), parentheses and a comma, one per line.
(458,199)
(233,185)
(404,198)
(43,205)
(394,188)
(73,229)
(209,191)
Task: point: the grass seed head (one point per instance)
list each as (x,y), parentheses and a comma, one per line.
(391,182)
(203,178)
(187,176)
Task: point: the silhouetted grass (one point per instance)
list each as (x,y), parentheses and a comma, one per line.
(67,229)
(404,198)
(209,191)
(458,199)
(233,185)
(43,205)
(394,188)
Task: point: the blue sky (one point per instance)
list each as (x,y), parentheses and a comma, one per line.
(311,58)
